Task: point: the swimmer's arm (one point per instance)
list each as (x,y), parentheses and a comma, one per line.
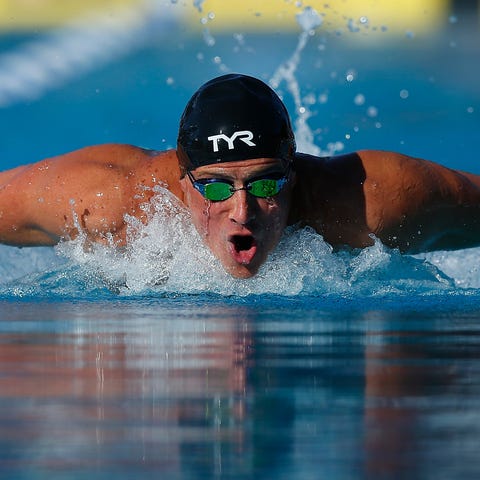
(16,226)
(417,205)
(44,202)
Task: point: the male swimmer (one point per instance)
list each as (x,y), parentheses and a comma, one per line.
(237,171)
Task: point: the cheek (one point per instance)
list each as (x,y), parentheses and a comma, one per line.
(205,215)
(276,211)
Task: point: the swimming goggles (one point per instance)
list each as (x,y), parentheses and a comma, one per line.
(217,190)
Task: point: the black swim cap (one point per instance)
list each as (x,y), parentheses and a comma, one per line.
(230,118)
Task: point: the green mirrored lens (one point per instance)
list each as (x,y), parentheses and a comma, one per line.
(217,191)
(264,188)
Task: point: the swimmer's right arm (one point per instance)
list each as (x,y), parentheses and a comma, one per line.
(88,189)
(17,227)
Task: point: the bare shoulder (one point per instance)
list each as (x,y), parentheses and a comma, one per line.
(94,187)
(102,166)
(407,202)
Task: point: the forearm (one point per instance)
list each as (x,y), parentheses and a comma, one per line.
(26,237)
(15,227)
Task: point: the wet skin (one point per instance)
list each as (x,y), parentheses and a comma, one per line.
(410,204)
(242,230)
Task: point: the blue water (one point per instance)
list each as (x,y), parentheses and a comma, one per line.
(153,363)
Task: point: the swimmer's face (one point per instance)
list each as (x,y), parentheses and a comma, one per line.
(242,230)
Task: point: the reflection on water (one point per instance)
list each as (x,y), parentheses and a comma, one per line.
(181,390)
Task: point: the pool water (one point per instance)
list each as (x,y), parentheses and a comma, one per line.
(153,363)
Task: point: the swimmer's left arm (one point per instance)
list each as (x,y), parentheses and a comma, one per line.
(417,205)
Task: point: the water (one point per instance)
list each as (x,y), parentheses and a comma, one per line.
(152,362)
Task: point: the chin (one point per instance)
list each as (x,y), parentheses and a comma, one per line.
(241,271)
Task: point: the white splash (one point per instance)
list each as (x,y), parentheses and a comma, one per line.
(33,68)
(309,19)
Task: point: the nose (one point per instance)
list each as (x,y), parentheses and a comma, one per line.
(242,209)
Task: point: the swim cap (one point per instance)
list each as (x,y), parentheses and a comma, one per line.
(230,118)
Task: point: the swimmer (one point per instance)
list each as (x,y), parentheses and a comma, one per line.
(237,171)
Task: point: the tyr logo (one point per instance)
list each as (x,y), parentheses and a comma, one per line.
(245,136)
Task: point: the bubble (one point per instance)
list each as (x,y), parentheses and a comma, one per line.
(372,111)
(404,94)
(453,19)
(170,81)
(470,109)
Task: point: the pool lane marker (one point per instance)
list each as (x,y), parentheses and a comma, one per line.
(36,67)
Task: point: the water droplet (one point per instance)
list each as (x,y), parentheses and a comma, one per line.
(309,99)
(352,26)
(208,37)
(359,99)
(309,19)
(198,4)
(351,75)
(323,98)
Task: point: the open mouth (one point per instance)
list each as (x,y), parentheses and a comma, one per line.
(243,248)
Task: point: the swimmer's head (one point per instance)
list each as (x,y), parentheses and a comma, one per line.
(230,118)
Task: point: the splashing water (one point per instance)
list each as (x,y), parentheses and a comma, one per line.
(309,19)
(167,256)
